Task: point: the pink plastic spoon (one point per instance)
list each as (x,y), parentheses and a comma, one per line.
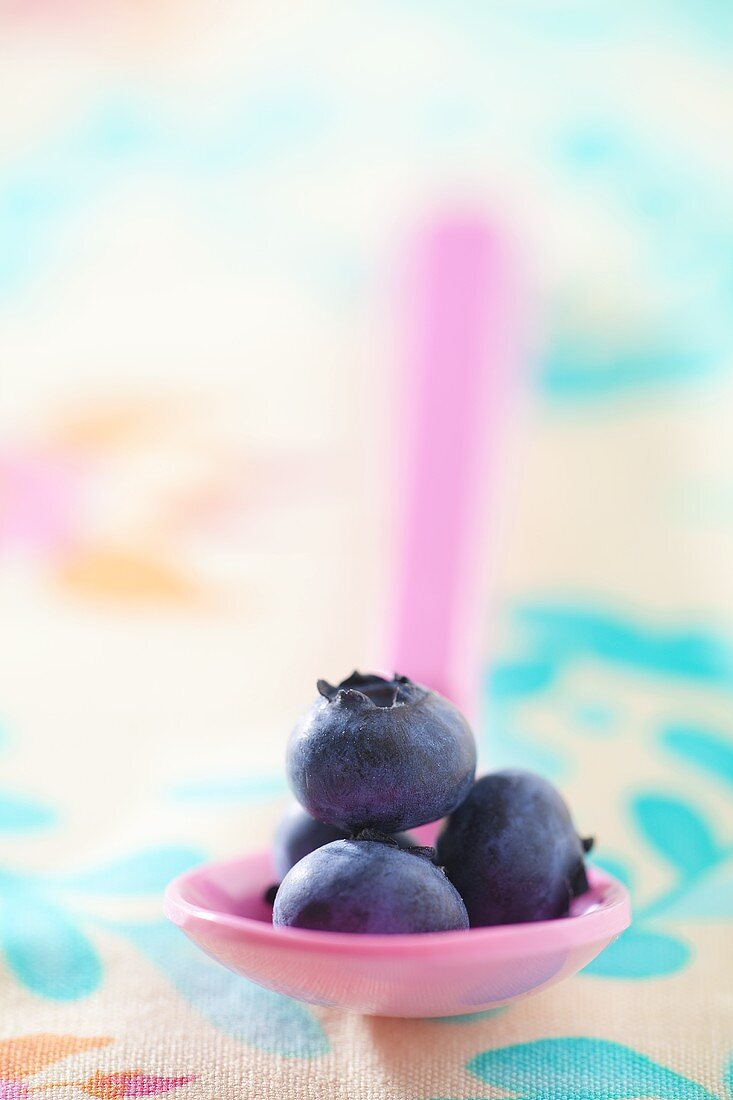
(461,348)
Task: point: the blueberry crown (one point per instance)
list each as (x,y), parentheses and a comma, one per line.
(370,689)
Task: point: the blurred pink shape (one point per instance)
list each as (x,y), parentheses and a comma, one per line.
(119,1086)
(39,496)
(14,1090)
(461,350)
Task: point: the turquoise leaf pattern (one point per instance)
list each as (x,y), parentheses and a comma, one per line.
(503,741)
(704,889)
(677,832)
(585,372)
(640,953)
(144,872)
(580,1069)
(563,633)
(615,866)
(44,941)
(235,1006)
(519,679)
(553,637)
(237,789)
(21,814)
(705,749)
(45,950)
(708,898)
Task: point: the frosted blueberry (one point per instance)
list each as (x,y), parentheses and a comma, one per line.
(368,886)
(382,754)
(512,851)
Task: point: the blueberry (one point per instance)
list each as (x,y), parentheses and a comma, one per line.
(298,834)
(382,754)
(368,886)
(512,851)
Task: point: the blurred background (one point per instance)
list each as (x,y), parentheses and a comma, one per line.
(201,213)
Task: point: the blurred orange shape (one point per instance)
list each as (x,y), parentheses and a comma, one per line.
(120,573)
(27,1054)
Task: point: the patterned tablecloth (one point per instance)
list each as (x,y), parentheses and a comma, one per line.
(197,210)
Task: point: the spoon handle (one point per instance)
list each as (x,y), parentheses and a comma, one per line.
(458,357)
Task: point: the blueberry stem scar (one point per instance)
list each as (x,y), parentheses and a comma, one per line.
(376,835)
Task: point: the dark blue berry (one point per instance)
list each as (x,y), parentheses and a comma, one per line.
(368,886)
(298,834)
(512,851)
(383,754)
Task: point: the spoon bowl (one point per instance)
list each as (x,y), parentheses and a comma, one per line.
(221,908)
